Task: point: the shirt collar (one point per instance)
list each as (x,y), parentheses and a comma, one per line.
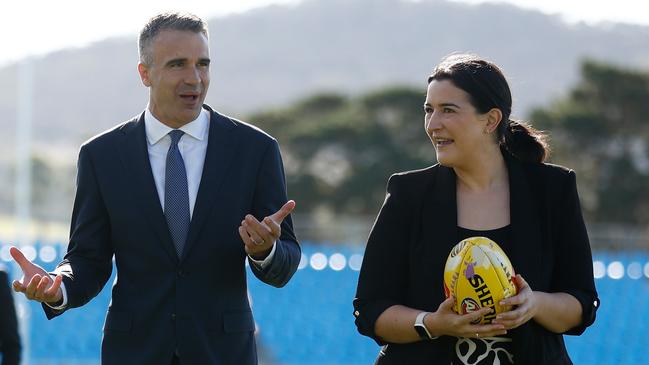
(156,130)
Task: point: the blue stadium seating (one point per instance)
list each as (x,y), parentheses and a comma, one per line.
(81,328)
(619,335)
(310,322)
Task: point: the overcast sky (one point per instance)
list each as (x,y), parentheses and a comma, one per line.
(40,26)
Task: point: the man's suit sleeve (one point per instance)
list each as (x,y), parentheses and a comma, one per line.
(88,262)
(9,338)
(270,195)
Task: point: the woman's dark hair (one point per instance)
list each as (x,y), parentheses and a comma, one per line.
(488,89)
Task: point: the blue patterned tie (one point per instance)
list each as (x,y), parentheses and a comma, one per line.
(176,194)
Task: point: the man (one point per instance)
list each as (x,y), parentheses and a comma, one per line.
(9,338)
(175,195)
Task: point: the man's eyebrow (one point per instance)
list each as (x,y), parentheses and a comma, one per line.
(175,60)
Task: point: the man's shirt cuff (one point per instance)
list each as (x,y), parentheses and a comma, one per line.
(262,264)
(65,299)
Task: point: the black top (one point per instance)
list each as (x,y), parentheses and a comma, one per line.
(502,235)
(483,351)
(417,227)
(9,338)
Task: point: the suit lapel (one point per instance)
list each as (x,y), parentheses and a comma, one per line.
(440,215)
(218,158)
(135,157)
(525,222)
(526,238)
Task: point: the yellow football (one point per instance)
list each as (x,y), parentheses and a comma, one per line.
(479,274)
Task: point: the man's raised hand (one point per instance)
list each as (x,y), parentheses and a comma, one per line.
(36,283)
(259,237)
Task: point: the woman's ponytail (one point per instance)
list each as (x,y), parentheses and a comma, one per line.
(486,85)
(524,142)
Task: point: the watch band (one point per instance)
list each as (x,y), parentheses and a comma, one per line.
(420,327)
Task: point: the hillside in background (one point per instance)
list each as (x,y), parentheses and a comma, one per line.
(341,86)
(274,55)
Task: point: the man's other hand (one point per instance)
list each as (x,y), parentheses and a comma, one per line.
(36,284)
(259,237)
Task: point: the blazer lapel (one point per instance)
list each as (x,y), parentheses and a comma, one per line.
(445,196)
(526,252)
(135,157)
(440,214)
(525,222)
(218,158)
(439,217)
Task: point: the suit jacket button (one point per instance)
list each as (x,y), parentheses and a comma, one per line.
(173,316)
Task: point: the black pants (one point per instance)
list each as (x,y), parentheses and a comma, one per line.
(175,360)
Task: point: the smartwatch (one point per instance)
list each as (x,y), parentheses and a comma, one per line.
(421,329)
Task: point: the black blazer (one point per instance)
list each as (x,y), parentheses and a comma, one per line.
(9,337)
(417,227)
(196,304)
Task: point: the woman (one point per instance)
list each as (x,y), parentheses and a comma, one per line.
(491,180)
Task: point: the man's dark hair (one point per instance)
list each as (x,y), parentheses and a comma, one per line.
(167,21)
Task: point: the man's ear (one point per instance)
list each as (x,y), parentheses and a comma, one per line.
(494,118)
(144,74)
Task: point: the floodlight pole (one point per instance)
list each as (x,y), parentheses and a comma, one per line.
(23,187)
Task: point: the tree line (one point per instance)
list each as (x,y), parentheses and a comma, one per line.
(339,150)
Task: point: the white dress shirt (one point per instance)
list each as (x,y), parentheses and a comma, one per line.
(192,147)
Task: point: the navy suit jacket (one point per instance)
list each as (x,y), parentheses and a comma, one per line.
(197,304)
